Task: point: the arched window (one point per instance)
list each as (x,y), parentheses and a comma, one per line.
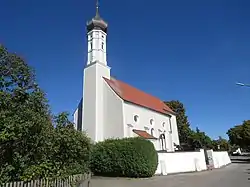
(163,141)
(136,118)
(170,125)
(163,124)
(152,131)
(151,122)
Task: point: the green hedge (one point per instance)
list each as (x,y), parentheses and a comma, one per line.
(128,157)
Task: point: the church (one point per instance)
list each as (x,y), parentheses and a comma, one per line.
(111,108)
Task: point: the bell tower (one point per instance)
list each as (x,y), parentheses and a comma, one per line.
(97,34)
(96,69)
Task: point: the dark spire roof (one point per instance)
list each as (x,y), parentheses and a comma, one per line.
(97,22)
(97,15)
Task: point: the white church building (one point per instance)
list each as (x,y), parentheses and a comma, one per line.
(111,108)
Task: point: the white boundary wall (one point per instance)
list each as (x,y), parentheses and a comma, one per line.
(179,162)
(221,158)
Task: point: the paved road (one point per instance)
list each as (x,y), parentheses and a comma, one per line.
(234,175)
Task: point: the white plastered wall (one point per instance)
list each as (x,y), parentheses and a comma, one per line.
(93,113)
(144,117)
(180,162)
(113,114)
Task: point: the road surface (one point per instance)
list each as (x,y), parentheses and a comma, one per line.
(234,175)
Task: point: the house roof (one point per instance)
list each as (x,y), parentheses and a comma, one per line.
(143,134)
(133,95)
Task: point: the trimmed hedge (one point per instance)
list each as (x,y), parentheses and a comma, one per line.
(128,157)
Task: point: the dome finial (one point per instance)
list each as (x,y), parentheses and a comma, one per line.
(97,9)
(97,22)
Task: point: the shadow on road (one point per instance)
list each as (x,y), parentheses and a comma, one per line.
(240,162)
(240,159)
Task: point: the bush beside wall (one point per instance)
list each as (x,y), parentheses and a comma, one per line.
(128,157)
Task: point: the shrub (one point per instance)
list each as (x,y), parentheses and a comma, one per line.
(128,157)
(71,151)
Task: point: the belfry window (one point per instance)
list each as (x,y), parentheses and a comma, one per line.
(91,45)
(102,45)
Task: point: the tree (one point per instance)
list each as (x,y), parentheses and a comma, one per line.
(25,122)
(221,144)
(240,134)
(71,147)
(70,156)
(33,143)
(182,120)
(62,120)
(189,139)
(199,139)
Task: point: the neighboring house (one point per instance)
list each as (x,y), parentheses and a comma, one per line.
(111,108)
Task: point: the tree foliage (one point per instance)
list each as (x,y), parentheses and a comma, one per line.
(221,144)
(183,124)
(199,139)
(70,155)
(240,134)
(128,157)
(30,146)
(71,147)
(189,139)
(24,117)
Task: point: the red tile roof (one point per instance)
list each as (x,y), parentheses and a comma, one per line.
(143,134)
(133,95)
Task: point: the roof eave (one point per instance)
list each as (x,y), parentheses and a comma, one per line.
(149,138)
(148,107)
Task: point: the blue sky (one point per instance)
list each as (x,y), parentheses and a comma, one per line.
(193,51)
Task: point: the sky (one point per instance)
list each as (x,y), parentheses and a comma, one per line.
(188,50)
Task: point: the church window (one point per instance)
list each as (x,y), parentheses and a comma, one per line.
(151,122)
(102,36)
(136,118)
(91,45)
(163,142)
(170,125)
(152,132)
(163,124)
(102,45)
